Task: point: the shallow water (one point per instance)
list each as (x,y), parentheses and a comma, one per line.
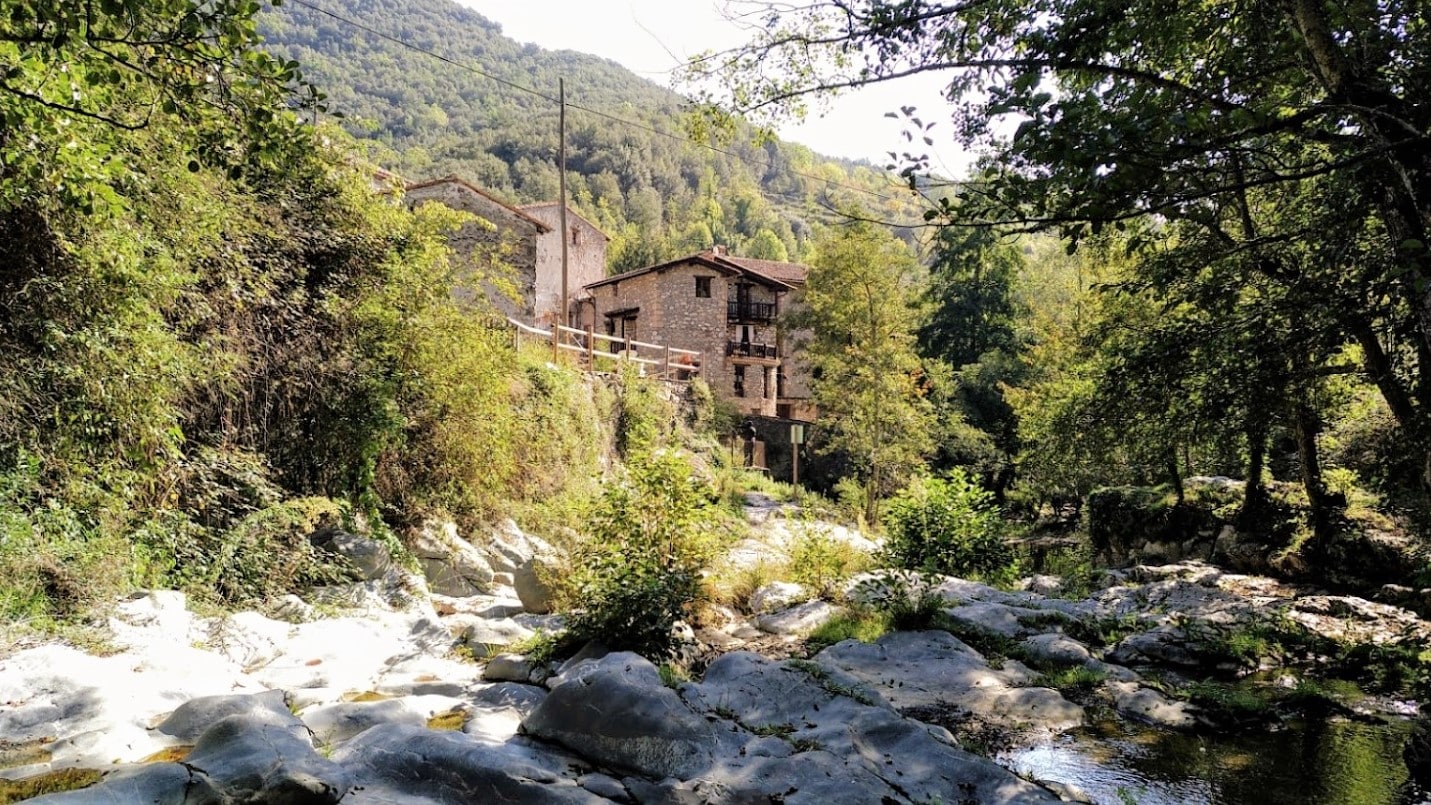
(1299,763)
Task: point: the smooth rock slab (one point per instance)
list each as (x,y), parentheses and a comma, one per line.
(844,745)
(800,620)
(615,712)
(935,669)
(397,764)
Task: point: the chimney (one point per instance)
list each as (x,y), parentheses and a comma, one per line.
(718,250)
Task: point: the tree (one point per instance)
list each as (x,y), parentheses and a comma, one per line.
(869,383)
(77,74)
(1096,112)
(972,327)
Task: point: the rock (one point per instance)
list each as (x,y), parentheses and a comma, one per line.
(1042,584)
(800,620)
(511,695)
(935,670)
(1150,706)
(1418,752)
(452,565)
(615,712)
(368,559)
(508,668)
(254,755)
(604,786)
(487,637)
(148,783)
(776,596)
(1056,649)
(1164,645)
(843,744)
(529,582)
(334,723)
(509,548)
(195,716)
(292,609)
(264,757)
(400,764)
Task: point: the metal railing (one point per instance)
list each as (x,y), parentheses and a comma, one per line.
(657,360)
(745,349)
(736,310)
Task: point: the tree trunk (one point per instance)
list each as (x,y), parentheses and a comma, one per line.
(1308,426)
(1254,498)
(1175,477)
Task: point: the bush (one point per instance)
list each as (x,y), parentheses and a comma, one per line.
(821,563)
(651,535)
(946,525)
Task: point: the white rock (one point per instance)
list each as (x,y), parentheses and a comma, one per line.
(777,596)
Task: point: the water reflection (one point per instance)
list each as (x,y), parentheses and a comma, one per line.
(1322,762)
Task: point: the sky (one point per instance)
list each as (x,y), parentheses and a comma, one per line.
(653,37)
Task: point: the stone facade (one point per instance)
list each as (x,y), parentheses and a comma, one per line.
(497,255)
(728,311)
(525,246)
(585,257)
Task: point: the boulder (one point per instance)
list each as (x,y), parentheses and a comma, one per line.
(529,581)
(452,565)
(615,712)
(401,764)
(776,596)
(799,620)
(192,718)
(1150,706)
(368,559)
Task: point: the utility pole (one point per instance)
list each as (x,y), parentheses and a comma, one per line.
(564,318)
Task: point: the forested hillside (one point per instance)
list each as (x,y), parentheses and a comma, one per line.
(643,181)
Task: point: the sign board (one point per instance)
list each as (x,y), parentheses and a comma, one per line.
(797,434)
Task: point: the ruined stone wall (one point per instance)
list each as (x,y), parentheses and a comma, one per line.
(497,262)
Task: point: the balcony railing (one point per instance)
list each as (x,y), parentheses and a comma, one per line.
(745,349)
(750,311)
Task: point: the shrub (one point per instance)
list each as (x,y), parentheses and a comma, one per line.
(265,554)
(946,525)
(651,535)
(821,563)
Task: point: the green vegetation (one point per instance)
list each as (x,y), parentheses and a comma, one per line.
(947,525)
(864,625)
(858,305)
(638,571)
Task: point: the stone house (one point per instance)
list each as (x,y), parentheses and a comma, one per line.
(726,307)
(526,240)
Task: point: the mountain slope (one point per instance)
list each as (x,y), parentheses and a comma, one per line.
(654,191)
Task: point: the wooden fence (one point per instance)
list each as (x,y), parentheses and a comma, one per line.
(590,347)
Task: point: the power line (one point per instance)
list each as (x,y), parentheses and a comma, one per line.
(595,112)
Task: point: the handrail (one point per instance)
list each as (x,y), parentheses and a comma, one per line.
(584,344)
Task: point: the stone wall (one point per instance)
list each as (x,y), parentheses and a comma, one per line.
(497,262)
(586,258)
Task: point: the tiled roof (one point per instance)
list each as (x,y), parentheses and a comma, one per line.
(789,273)
(785,276)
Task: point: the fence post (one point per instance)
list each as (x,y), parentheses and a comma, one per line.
(556,342)
(666,364)
(590,347)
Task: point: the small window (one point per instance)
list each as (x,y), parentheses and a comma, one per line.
(740,381)
(703,287)
(575,236)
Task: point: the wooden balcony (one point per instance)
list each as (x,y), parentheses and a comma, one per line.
(750,312)
(745,349)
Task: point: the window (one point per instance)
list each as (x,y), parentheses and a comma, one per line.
(703,287)
(740,381)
